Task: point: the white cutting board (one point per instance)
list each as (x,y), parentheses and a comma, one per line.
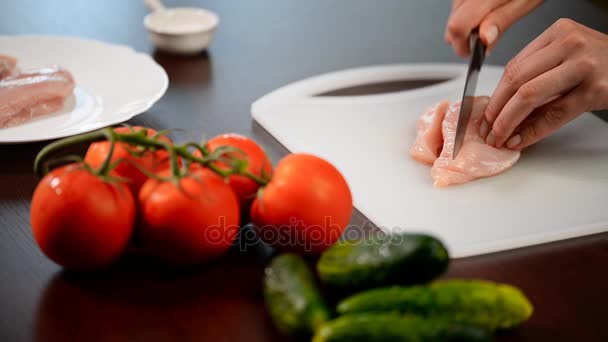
(558,189)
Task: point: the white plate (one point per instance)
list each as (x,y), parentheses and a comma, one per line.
(113,84)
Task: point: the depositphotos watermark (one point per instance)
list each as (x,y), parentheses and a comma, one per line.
(296,234)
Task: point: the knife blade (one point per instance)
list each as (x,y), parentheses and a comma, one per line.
(466,107)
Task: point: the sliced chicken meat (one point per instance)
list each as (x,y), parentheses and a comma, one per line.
(33,93)
(476,159)
(7,65)
(429,139)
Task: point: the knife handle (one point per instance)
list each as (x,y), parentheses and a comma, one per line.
(475,43)
(473,37)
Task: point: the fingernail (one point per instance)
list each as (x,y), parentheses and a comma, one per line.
(514,141)
(491,34)
(491,140)
(483,129)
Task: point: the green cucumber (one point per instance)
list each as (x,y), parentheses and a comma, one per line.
(478,302)
(292,297)
(381,260)
(395,328)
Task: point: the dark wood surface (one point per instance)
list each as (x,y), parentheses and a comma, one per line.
(260,45)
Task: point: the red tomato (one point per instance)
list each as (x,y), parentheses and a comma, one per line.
(150,161)
(258,163)
(79,220)
(305,207)
(195,222)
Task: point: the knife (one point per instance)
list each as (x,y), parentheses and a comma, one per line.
(466,107)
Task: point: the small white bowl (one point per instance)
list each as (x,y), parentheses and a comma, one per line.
(183,30)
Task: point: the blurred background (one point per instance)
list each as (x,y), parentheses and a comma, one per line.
(282,40)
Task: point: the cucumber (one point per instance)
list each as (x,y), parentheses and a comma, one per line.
(292,298)
(477,302)
(391,327)
(382,260)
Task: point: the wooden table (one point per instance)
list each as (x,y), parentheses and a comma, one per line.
(260,46)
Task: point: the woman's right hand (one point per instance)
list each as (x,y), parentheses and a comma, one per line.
(493,17)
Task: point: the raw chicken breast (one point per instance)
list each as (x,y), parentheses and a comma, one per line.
(429,139)
(7,65)
(476,159)
(33,93)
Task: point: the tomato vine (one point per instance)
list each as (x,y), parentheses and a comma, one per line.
(142,142)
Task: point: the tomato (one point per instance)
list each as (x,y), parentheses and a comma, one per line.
(128,168)
(305,207)
(79,220)
(191,223)
(258,163)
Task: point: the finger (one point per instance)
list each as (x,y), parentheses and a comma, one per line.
(517,73)
(531,118)
(530,96)
(500,19)
(456,4)
(527,121)
(534,115)
(464,19)
(550,118)
(460,46)
(545,38)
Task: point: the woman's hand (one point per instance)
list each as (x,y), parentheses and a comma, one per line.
(557,77)
(493,17)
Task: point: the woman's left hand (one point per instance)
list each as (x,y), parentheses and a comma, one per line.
(558,76)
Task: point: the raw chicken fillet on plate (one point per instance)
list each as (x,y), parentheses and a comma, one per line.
(34,93)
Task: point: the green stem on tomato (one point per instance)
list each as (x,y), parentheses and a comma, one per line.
(204,161)
(259,180)
(175,171)
(224,173)
(140,138)
(63,143)
(183,151)
(106,166)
